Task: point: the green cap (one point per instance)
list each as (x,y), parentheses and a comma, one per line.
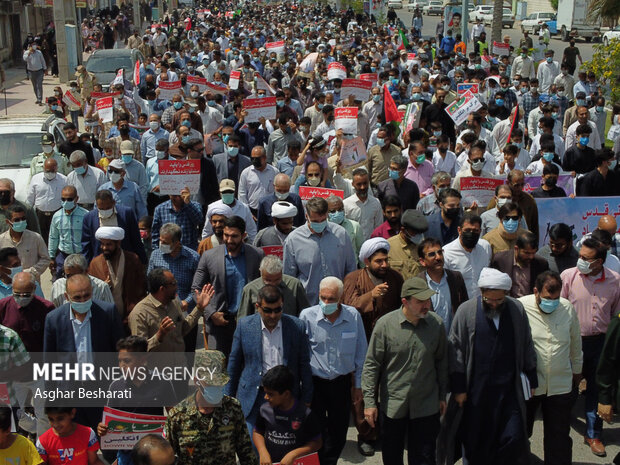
(210,367)
(418,288)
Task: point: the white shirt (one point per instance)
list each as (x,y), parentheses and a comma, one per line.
(522,66)
(571,136)
(160,39)
(272,346)
(536,168)
(447,164)
(469,264)
(212,119)
(368,214)
(46,195)
(238,209)
(254,184)
(87,184)
(34,61)
(547,72)
(557,140)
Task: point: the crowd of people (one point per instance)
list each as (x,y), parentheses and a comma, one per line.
(397,300)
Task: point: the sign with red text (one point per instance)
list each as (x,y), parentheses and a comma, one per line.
(277,250)
(98,95)
(74,103)
(465,86)
(345,118)
(120,77)
(461,108)
(500,48)
(277,47)
(261,84)
(197,81)
(4,394)
(222,90)
(136,73)
(308,192)
(352,152)
(168,89)
(480,189)
(175,175)
(336,70)
(371,77)
(233,80)
(125,429)
(259,107)
(105,108)
(310,459)
(359,88)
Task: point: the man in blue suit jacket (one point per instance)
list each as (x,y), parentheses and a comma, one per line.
(231,163)
(282,339)
(125,218)
(443,224)
(282,185)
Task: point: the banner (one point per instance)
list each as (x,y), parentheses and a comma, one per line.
(98,95)
(310,459)
(277,250)
(261,84)
(373,78)
(336,70)
(461,108)
(105,108)
(125,429)
(359,88)
(233,80)
(136,73)
(197,81)
(482,190)
(581,214)
(465,86)
(221,90)
(307,192)
(565,181)
(74,103)
(259,107)
(352,152)
(500,48)
(120,77)
(412,117)
(168,89)
(277,47)
(176,175)
(345,118)
(308,63)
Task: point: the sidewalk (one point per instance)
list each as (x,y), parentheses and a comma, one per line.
(19,99)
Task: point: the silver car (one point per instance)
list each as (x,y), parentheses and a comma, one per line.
(104,64)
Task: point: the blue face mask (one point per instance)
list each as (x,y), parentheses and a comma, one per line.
(186,139)
(225,138)
(395,81)
(232,151)
(548,156)
(321,106)
(549,59)
(380,142)
(328,309)
(68,204)
(82,307)
(548,305)
(499,102)
(417,96)
(376,98)
(19,226)
(336,217)
(436,133)
(420,159)
(519,144)
(280,103)
(178,105)
(318,227)
(393,174)
(127,159)
(228,198)
(211,103)
(187,123)
(510,225)
(80,170)
(373,69)
(600,109)
(584,141)
(213,394)
(581,102)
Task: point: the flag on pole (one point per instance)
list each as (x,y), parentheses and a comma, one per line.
(403,43)
(390,108)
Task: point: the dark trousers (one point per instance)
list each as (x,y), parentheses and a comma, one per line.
(60,264)
(421,436)
(592,347)
(556,411)
(331,401)
(152,200)
(45,221)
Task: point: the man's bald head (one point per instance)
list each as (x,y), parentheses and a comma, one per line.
(50,165)
(608,223)
(24,283)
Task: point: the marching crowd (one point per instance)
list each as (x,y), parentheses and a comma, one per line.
(396,298)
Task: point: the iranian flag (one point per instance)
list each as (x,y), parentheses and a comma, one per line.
(403,43)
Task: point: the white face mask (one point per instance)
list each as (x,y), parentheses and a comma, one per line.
(106,213)
(502,202)
(49,175)
(47,149)
(115,177)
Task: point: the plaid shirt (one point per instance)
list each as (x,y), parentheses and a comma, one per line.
(562,103)
(189,218)
(510,99)
(529,103)
(13,353)
(182,267)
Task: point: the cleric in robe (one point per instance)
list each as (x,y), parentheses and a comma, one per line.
(492,358)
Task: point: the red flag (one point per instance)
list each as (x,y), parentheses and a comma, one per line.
(390,108)
(136,73)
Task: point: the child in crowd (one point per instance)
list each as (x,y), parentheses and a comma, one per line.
(14,448)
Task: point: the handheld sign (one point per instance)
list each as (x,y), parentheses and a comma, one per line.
(462,107)
(168,89)
(352,152)
(105,108)
(198,81)
(307,192)
(336,70)
(175,175)
(465,86)
(233,80)
(345,118)
(256,108)
(359,88)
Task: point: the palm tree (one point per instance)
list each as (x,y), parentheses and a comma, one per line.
(496,26)
(604,10)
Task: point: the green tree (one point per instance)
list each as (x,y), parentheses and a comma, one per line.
(605,64)
(604,10)
(496,26)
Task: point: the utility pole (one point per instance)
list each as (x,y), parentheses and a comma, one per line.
(464,20)
(137,17)
(68,49)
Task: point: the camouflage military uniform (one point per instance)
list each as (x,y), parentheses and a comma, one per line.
(209,439)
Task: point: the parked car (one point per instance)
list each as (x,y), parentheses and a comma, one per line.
(611,34)
(508,19)
(434,7)
(479,11)
(104,63)
(419,4)
(20,141)
(534,22)
(396,4)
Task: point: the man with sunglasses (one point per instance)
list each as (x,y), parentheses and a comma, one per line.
(125,192)
(262,341)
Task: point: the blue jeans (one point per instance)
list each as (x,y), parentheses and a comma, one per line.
(592,347)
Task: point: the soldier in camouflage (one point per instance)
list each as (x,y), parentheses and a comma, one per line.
(208,428)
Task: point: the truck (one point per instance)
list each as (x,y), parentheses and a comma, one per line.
(572,21)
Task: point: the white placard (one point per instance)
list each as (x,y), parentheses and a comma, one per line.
(168,89)
(345,118)
(264,107)
(336,70)
(359,88)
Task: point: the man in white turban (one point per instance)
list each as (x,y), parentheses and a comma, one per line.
(217,214)
(370,246)
(283,215)
(492,372)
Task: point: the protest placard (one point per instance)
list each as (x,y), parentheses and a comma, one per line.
(308,63)
(233,80)
(73,102)
(4,394)
(175,175)
(136,73)
(307,192)
(120,77)
(565,181)
(168,89)
(222,90)
(277,250)
(198,81)
(98,95)
(462,107)
(125,429)
(336,70)
(352,152)
(310,459)
(465,86)
(359,88)
(345,118)
(258,107)
(261,84)
(373,78)
(277,47)
(412,116)
(500,48)
(105,108)
(480,189)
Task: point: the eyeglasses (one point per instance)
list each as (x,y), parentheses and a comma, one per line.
(434,253)
(512,217)
(269,311)
(22,294)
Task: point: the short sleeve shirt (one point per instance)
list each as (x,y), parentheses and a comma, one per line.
(56,450)
(22,452)
(286,430)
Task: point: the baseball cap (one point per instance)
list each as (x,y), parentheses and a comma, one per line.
(126,147)
(227,185)
(47,139)
(210,367)
(117,164)
(414,219)
(418,288)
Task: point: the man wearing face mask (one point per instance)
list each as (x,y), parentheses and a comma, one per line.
(436,112)
(523,65)
(318,241)
(85,178)
(443,224)
(379,156)
(315,111)
(230,164)
(582,118)
(168,114)
(491,357)
(44,193)
(48,146)
(188,112)
(126,193)
(361,206)
(281,187)
(594,291)
(73,143)
(419,170)
(151,136)
(490,220)
(403,252)
(256,181)
(474,166)
(185,121)
(154,197)
(10,265)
